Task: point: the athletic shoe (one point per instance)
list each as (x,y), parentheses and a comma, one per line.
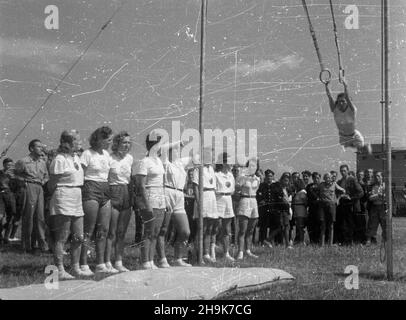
(101,268)
(181,263)
(250,254)
(63,275)
(111,269)
(163,263)
(146,266)
(240,256)
(79,273)
(14,239)
(207,258)
(229,258)
(268,244)
(86,270)
(121,268)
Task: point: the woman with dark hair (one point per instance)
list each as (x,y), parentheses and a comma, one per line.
(151,201)
(225,186)
(247,214)
(96,163)
(119,180)
(65,206)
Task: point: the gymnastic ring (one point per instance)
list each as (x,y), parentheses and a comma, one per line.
(327,80)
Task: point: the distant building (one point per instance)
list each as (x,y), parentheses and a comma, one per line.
(376,161)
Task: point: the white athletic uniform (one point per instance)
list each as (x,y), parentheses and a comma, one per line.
(225,185)
(175,180)
(209,195)
(248,206)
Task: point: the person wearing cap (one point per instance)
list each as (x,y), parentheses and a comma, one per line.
(151,201)
(225,186)
(7,188)
(96,163)
(210,214)
(281,204)
(65,206)
(175,181)
(119,180)
(264,206)
(32,174)
(247,214)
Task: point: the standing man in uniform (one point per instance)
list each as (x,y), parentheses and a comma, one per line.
(264,206)
(349,205)
(32,172)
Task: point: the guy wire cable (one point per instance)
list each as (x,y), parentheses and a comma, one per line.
(54,90)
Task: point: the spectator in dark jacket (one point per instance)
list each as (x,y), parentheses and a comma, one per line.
(349,206)
(281,200)
(313,204)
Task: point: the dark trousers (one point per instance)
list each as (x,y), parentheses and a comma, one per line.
(189,205)
(9,203)
(264,223)
(313,223)
(139,226)
(377,216)
(33,220)
(300,229)
(348,223)
(360,233)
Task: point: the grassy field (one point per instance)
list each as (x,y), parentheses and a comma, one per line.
(318,272)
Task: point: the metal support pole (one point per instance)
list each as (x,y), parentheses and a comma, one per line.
(389,245)
(201,104)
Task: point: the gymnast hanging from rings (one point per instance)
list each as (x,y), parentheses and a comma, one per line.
(344,116)
(343,109)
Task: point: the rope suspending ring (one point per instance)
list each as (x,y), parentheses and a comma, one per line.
(325,76)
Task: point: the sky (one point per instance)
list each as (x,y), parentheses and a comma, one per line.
(142,72)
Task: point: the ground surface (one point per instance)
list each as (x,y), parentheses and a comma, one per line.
(319,272)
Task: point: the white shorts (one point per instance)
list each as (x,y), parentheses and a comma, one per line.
(66,201)
(248,207)
(175,201)
(224,206)
(352,141)
(209,206)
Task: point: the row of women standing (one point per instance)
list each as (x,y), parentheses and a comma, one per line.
(91,200)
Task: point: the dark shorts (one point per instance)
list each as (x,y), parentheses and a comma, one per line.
(279,219)
(97,191)
(327,212)
(120,197)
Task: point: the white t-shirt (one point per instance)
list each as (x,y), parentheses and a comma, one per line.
(97,165)
(209,178)
(225,182)
(153,169)
(70,169)
(120,170)
(175,174)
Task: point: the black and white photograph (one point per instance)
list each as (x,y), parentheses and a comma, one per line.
(214,152)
